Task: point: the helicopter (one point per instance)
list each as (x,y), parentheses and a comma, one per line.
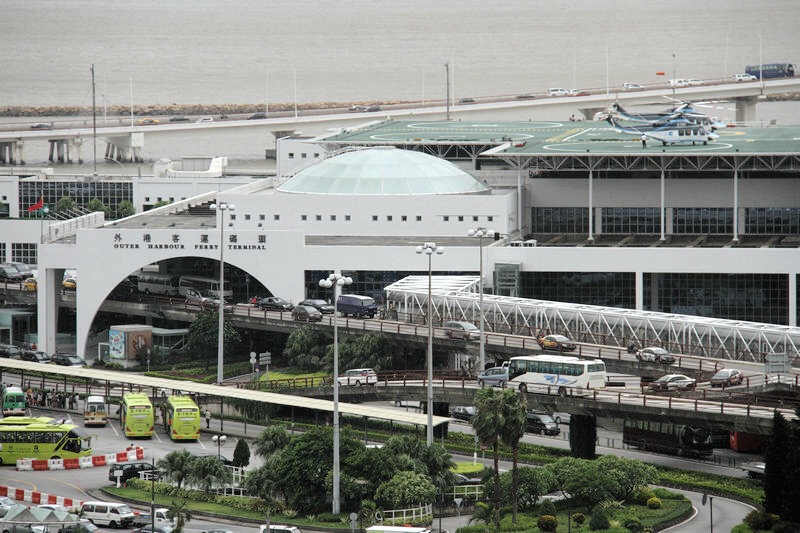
(682,110)
(670,132)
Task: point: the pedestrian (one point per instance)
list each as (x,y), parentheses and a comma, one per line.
(208,419)
(644,140)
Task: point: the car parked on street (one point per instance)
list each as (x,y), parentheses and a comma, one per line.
(557,342)
(67,359)
(321,305)
(727,377)
(34,356)
(655,354)
(673,382)
(542,424)
(494,377)
(306,313)
(463,412)
(459,329)
(356,377)
(273,303)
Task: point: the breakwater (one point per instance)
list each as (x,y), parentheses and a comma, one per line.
(180,109)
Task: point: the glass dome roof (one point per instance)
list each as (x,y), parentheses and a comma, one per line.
(383,171)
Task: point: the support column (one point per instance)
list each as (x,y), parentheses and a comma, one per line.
(736,204)
(639,290)
(746,108)
(591,205)
(48,298)
(793,299)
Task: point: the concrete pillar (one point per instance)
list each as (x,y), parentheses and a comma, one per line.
(51,155)
(48,297)
(589,112)
(19,145)
(746,108)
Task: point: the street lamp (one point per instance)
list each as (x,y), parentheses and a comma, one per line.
(337,281)
(480,233)
(429,248)
(219,442)
(221,207)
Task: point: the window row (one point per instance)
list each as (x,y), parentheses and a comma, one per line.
(375,218)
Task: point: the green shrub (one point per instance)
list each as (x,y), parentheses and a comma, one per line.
(760,520)
(578,518)
(548,508)
(547,522)
(329,518)
(641,495)
(654,503)
(633,524)
(599,519)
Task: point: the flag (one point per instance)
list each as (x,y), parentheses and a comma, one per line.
(38,205)
(660,73)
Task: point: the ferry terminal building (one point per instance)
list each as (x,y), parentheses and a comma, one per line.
(584,215)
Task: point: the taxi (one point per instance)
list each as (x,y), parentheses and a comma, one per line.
(30,284)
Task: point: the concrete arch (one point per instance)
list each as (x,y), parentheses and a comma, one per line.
(117,253)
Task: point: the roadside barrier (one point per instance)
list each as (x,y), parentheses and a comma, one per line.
(134,453)
(35,497)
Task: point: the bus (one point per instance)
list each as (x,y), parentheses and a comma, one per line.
(205,286)
(771,70)
(136,415)
(95,412)
(668,437)
(55,439)
(157,283)
(562,373)
(181,418)
(13,402)
(24,420)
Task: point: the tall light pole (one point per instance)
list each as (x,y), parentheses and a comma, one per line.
(221,207)
(337,281)
(674,76)
(429,248)
(219,442)
(480,233)
(447,99)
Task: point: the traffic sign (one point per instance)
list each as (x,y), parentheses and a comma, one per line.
(252,358)
(265,358)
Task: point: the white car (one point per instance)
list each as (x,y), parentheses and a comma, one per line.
(694,81)
(744,77)
(205,119)
(357,377)
(557,92)
(631,87)
(679,83)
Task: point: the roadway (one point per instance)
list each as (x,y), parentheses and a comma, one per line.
(86,484)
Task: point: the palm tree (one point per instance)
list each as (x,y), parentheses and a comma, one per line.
(515,411)
(179,513)
(177,465)
(271,440)
(208,472)
(488,423)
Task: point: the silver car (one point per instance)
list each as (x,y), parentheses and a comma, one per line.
(494,377)
(655,354)
(459,329)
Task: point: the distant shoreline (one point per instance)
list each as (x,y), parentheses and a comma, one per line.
(179,109)
(231,109)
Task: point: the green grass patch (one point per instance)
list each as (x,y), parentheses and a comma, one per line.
(469,469)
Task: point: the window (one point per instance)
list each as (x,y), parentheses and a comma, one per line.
(627,220)
(404,218)
(489,218)
(419,218)
(388,218)
(560,220)
(772,220)
(374,218)
(333,218)
(461,218)
(233,216)
(303,155)
(303,217)
(316,154)
(24,252)
(247,217)
(347,218)
(291,155)
(474,219)
(262,217)
(318,218)
(276,217)
(446,218)
(702,220)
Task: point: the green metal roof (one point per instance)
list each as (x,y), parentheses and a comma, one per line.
(552,138)
(383,170)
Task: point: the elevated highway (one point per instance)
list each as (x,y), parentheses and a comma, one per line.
(124,137)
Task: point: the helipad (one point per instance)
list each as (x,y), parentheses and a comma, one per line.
(551,138)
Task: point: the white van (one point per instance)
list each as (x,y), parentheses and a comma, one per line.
(95,412)
(680,82)
(107,514)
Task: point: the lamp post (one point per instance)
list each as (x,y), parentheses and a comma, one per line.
(429,248)
(337,281)
(480,233)
(221,207)
(219,442)
(447,98)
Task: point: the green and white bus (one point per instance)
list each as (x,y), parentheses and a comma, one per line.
(13,402)
(55,439)
(136,415)
(556,373)
(181,418)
